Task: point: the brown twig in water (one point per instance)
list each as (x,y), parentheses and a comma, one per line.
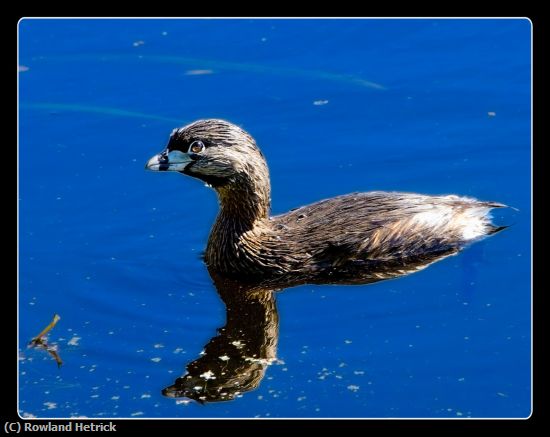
(40,341)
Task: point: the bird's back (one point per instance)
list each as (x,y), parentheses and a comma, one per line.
(377,235)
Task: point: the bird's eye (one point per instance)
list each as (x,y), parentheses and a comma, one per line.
(197,147)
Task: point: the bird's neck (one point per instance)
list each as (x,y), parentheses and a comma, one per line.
(243,203)
(245,199)
(235,238)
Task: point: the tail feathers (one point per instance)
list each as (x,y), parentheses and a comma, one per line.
(493,229)
(476,222)
(497,205)
(494,204)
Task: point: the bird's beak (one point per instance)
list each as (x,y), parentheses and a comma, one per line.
(169,161)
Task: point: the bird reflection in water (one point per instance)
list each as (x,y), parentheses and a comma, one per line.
(235,360)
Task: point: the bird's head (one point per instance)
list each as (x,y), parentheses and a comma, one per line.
(215,151)
(225,157)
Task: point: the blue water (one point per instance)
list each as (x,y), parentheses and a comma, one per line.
(430,106)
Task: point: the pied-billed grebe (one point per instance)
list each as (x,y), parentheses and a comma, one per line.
(354,238)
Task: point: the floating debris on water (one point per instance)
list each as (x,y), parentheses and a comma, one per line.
(492,114)
(156,359)
(74,341)
(138,43)
(22,68)
(198,72)
(320,102)
(353,388)
(208,375)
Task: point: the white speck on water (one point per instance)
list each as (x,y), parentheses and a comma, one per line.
(151,236)
(342,365)
(137,413)
(21,69)
(492,114)
(504,395)
(50,405)
(145,396)
(74,341)
(178,350)
(410,345)
(224,358)
(260,397)
(140,350)
(458,413)
(158,345)
(94,396)
(198,72)
(461,379)
(347,341)
(156,359)
(164,33)
(208,375)
(301,398)
(358,372)
(353,388)
(183,402)
(58,198)
(115,398)
(264,39)
(138,43)
(111,332)
(320,102)
(466,338)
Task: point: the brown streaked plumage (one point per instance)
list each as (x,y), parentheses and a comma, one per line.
(354,238)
